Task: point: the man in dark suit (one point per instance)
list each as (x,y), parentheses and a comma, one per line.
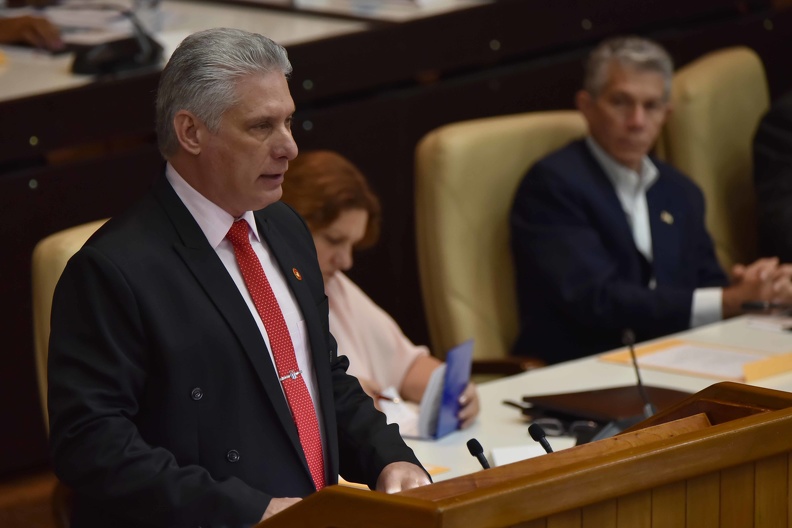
(192,377)
(772,149)
(606,238)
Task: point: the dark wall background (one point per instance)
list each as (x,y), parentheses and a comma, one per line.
(370,96)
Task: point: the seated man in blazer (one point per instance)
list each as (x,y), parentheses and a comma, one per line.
(192,377)
(605,237)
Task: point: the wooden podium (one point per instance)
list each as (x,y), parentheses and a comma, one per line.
(720,458)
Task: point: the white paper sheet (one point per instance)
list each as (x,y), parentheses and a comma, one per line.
(713,361)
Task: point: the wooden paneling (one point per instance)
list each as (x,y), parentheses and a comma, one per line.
(668,505)
(539,523)
(736,497)
(635,510)
(703,501)
(567,519)
(772,492)
(600,515)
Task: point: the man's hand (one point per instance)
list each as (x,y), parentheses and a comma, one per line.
(782,284)
(763,280)
(470,406)
(36,31)
(278,505)
(400,476)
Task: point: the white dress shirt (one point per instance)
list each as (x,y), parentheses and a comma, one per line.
(631,187)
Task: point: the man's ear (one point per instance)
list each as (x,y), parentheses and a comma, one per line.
(669,110)
(189,131)
(583,101)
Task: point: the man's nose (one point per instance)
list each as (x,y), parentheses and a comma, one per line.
(637,116)
(286,146)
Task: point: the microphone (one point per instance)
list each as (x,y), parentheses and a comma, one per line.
(477,451)
(538,434)
(137,52)
(617,426)
(628,338)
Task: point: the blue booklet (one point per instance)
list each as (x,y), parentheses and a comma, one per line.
(436,416)
(457,375)
(439,407)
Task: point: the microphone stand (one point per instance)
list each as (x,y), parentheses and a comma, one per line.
(137,52)
(617,426)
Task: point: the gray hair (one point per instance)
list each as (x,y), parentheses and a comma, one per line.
(202,74)
(633,52)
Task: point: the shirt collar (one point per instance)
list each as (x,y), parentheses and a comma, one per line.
(211,218)
(624,177)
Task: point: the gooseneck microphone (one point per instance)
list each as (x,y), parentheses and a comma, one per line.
(538,434)
(140,51)
(617,426)
(628,339)
(477,451)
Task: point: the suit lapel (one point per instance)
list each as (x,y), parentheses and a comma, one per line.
(203,262)
(664,219)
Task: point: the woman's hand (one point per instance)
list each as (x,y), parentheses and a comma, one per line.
(470,406)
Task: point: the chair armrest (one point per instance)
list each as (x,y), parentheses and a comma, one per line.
(506,366)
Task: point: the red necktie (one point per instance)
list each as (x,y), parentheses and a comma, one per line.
(297,395)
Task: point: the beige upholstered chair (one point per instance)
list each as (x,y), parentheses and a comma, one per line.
(467,174)
(718,102)
(49,258)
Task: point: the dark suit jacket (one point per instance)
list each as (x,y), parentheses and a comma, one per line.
(580,279)
(773,179)
(164,405)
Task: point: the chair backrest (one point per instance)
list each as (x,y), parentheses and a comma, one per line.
(718,102)
(49,259)
(467,174)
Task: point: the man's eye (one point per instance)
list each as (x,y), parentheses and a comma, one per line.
(653,106)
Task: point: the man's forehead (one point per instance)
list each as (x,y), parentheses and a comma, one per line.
(622,78)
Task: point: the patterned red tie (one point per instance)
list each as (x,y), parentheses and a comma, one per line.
(297,395)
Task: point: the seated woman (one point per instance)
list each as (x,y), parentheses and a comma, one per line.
(343,214)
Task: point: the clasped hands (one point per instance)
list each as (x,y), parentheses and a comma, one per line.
(764,280)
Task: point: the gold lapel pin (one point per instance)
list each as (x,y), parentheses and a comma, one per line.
(297,273)
(667,217)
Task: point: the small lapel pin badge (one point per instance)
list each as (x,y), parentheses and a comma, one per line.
(667,217)
(297,274)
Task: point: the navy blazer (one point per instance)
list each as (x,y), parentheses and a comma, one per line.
(580,278)
(165,408)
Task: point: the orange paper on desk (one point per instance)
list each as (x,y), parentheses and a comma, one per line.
(704,359)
